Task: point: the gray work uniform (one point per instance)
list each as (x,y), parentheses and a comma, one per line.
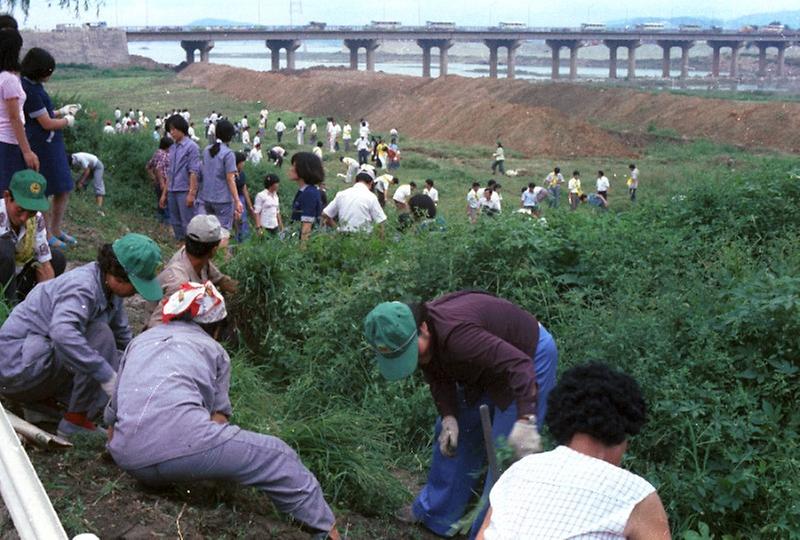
(172,378)
(66,329)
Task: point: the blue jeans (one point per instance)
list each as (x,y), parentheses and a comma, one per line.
(451,481)
(243,226)
(555,196)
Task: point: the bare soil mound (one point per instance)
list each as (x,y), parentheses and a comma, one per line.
(547,119)
(455,109)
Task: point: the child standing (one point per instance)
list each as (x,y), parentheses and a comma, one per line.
(15,150)
(242,225)
(267,208)
(633,181)
(574,187)
(218,194)
(553,183)
(43,127)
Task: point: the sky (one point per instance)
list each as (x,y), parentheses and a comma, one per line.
(343,12)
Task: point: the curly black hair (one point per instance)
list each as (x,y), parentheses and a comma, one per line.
(596,400)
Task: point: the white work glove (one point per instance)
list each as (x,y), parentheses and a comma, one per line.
(70,120)
(109,386)
(448,438)
(71,108)
(524,438)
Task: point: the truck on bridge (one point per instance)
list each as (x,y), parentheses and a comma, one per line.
(440,25)
(385,25)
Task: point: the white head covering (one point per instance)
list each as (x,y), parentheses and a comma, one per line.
(203,301)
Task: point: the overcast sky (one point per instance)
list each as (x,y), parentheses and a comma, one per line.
(470,12)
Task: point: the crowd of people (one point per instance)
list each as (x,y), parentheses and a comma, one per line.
(70,353)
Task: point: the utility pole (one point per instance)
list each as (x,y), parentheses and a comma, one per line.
(295,6)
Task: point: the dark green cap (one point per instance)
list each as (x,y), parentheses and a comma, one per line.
(391,331)
(140,257)
(28,189)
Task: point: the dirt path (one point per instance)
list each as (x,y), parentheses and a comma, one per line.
(538,119)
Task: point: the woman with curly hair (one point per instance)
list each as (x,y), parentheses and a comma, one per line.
(579,490)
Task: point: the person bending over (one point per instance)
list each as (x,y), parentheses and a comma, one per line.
(168,418)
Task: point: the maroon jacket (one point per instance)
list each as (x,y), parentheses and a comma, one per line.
(484,343)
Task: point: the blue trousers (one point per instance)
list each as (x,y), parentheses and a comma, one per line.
(452,481)
(180,215)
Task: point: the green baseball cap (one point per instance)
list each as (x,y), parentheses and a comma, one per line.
(391,331)
(28,189)
(140,257)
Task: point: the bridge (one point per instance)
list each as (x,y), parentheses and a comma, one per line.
(443,36)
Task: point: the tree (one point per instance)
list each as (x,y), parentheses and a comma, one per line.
(75,5)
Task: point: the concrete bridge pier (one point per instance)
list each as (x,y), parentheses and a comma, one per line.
(613,45)
(426,45)
(762,57)
(666,47)
(511,46)
(190,46)
(369,45)
(275,46)
(573,45)
(492,58)
(717,46)
(612,60)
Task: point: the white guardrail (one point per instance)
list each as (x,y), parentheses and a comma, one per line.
(25,498)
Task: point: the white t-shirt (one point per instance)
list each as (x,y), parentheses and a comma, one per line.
(574,185)
(634,178)
(245,123)
(108,129)
(10,88)
(317,151)
(402,194)
(85,160)
(491,203)
(347,132)
(280,127)
(267,207)
(363,131)
(357,209)
(473,199)
(603,184)
(255,156)
(382,182)
(432,193)
(362,144)
(564,494)
(301,126)
(41,249)
(245,137)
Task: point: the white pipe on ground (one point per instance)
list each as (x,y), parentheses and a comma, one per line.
(25,498)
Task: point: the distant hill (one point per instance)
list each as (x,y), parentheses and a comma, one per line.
(789,18)
(673,22)
(217,22)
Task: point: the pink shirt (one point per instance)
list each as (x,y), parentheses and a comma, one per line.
(10,88)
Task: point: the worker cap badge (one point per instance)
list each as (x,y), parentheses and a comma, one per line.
(36,188)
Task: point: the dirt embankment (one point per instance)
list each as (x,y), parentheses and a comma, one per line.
(539,119)
(456,109)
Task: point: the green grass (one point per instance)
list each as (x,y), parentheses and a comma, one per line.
(693,291)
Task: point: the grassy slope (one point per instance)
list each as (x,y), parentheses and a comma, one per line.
(667,168)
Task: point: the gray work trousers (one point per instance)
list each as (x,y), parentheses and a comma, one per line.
(252,459)
(80,391)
